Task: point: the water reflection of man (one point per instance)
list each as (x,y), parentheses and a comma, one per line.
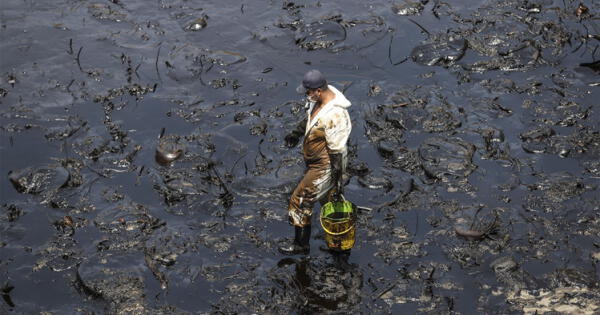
(326,129)
(319,287)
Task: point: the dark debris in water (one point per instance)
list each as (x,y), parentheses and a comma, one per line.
(408,8)
(197,24)
(444,52)
(45,179)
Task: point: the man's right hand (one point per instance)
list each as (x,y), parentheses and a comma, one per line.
(291,140)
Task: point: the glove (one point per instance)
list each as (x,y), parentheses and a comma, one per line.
(292,138)
(336,161)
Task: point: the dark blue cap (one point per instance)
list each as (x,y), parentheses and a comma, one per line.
(313,79)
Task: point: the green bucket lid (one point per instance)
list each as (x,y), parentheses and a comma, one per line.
(345,207)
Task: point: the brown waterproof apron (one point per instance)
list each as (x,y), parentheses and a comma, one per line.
(316,183)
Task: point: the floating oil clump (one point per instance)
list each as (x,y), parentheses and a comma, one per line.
(35,180)
(196,25)
(169,149)
(439,53)
(409,8)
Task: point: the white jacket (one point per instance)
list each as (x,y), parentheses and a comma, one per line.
(336,121)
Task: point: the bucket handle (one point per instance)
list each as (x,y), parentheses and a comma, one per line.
(334,233)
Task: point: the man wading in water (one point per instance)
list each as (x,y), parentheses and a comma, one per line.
(326,130)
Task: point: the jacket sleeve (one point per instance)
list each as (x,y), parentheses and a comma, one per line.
(337,131)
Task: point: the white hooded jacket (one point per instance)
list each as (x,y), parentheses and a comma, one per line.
(336,121)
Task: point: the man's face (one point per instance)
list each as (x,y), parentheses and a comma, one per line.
(313,95)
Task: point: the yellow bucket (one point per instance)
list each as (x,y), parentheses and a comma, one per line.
(338,221)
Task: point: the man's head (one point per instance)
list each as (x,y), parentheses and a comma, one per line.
(313,85)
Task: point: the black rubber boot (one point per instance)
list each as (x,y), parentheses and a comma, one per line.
(301,243)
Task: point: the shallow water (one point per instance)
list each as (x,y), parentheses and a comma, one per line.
(479,117)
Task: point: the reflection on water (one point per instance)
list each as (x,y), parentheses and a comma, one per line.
(322,284)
